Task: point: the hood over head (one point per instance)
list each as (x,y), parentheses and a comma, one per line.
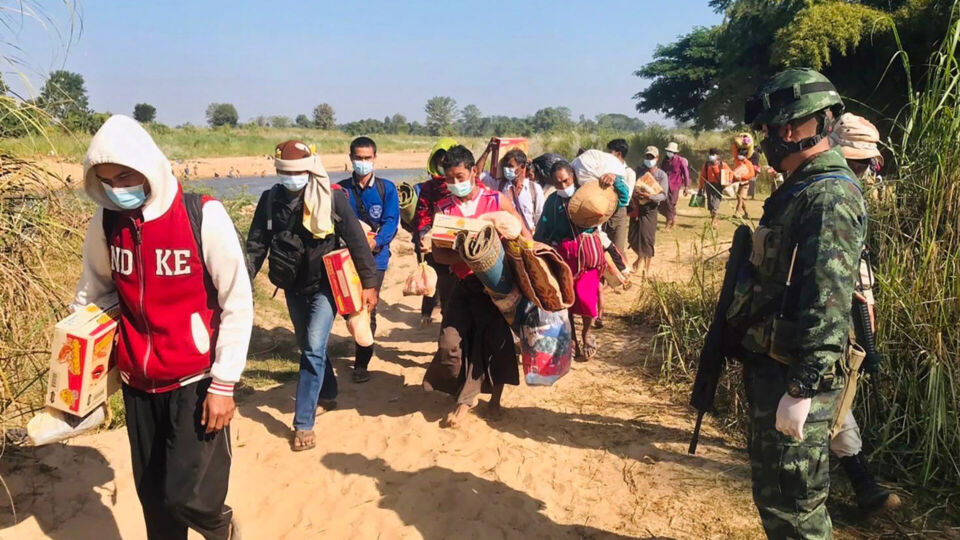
(123,141)
(444,144)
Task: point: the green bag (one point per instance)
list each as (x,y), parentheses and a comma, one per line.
(697,200)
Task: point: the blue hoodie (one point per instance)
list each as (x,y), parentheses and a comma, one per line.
(383,216)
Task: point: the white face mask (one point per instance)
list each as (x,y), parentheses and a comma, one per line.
(294,182)
(670,155)
(712,158)
(649,163)
(461,189)
(567,192)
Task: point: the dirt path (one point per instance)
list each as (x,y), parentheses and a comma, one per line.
(602,454)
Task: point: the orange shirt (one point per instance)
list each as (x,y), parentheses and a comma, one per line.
(710,172)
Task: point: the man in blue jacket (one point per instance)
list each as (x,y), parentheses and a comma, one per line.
(375,201)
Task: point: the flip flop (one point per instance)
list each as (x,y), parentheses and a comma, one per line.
(300,440)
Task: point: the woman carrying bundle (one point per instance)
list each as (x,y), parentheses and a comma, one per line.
(580,248)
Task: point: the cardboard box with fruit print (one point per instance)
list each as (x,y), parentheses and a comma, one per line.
(82,373)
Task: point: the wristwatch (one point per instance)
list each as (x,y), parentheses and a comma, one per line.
(799,389)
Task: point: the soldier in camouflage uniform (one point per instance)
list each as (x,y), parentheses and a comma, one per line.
(790,316)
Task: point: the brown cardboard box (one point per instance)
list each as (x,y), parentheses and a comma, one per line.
(445,229)
(82,372)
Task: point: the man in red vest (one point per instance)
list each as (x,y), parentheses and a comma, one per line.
(175,265)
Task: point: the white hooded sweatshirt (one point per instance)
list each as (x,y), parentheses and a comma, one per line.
(123,141)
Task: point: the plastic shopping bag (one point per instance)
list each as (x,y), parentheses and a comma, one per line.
(546,345)
(51,425)
(422,282)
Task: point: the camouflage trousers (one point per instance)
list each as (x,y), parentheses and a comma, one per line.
(791,478)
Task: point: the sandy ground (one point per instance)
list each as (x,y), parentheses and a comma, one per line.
(602,454)
(250,165)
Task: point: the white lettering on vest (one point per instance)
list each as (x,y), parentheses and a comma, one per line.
(181,262)
(121,260)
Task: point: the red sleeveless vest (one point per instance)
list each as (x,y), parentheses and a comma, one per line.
(489,202)
(168,305)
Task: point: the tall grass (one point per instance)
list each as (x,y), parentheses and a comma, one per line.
(195,142)
(915,236)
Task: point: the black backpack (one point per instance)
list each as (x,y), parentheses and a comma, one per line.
(194,204)
(287,249)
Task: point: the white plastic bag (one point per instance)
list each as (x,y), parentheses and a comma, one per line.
(422,282)
(358,324)
(593,164)
(52,426)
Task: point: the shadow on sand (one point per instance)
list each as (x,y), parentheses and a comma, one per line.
(61,488)
(441,503)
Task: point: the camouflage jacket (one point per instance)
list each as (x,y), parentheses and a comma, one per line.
(819,212)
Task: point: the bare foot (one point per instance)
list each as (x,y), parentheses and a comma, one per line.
(454,419)
(493,411)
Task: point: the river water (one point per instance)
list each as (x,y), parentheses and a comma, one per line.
(226,188)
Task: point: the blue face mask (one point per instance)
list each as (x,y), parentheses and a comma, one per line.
(362,168)
(510,174)
(127,198)
(567,192)
(649,163)
(460,189)
(294,182)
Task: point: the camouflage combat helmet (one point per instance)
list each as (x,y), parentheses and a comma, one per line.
(789,95)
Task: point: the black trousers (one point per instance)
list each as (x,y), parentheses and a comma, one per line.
(446,281)
(181,473)
(363,355)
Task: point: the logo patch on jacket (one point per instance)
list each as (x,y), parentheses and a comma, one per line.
(376,211)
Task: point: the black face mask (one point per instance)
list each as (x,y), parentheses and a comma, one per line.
(776,149)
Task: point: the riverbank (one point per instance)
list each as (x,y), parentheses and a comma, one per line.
(205,168)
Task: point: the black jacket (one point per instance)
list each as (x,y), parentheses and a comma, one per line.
(287,212)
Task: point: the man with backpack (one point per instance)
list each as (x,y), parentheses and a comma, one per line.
(296,223)
(376,203)
(174,263)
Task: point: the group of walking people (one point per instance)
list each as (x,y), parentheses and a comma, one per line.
(182,277)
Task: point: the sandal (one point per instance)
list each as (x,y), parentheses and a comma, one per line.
(303,439)
(590,349)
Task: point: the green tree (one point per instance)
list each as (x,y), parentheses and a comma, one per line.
(324,117)
(471,121)
(64,97)
(144,113)
(551,119)
(302,121)
(222,114)
(705,75)
(441,112)
(280,121)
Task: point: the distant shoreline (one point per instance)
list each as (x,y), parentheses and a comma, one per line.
(212,168)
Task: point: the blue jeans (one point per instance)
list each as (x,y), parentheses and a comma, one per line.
(312,317)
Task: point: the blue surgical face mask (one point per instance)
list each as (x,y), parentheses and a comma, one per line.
(127,198)
(362,168)
(649,163)
(567,192)
(510,174)
(294,182)
(461,189)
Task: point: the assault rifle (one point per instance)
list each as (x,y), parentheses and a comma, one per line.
(866,336)
(713,356)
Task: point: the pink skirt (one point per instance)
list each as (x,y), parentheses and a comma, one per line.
(586,285)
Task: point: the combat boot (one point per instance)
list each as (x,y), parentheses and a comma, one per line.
(871,497)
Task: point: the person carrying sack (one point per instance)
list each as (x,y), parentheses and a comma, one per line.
(295,224)
(174,263)
(376,202)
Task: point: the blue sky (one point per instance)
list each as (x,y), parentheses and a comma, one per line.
(367,59)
